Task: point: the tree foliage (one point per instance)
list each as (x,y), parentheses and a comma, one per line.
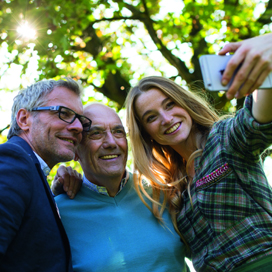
(109,45)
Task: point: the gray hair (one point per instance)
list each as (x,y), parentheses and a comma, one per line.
(35,96)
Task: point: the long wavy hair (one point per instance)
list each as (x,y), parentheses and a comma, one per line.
(161,165)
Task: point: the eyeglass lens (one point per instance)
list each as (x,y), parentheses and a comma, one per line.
(69,116)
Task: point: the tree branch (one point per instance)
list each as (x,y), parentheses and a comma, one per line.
(115,86)
(265,18)
(4,129)
(172,59)
(144,17)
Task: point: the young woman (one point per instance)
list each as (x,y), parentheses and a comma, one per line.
(209,167)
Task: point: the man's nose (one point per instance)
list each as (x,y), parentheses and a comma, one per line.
(76,125)
(109,140)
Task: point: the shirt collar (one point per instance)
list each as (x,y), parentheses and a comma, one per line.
(101,189)
(46,170)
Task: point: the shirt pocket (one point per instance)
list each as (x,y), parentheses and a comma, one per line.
(221,199)
(214,177)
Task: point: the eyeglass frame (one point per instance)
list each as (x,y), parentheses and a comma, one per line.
(104,132)
(58,109)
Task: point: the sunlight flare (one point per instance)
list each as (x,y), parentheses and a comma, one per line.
(26,31)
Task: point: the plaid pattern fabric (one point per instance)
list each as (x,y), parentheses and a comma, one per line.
(231,220)
(100,189)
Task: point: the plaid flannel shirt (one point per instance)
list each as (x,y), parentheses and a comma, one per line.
(230,223)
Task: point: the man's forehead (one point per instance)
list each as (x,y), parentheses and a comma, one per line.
(102,115)
(97,125)
(63,96)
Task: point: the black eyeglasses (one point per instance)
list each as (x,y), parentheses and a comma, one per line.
(67,115)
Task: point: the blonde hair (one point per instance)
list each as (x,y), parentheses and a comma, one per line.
(163,167)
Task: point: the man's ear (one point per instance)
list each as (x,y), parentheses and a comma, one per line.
(23,119)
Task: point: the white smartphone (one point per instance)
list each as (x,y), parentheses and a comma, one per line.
(212,68)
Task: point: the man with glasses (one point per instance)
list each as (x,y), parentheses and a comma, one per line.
(46,128)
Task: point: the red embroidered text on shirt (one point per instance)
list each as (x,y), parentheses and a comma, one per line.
(214,176)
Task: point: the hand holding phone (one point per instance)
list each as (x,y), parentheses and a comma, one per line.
(212,68)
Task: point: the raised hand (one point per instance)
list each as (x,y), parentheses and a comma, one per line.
(255,55)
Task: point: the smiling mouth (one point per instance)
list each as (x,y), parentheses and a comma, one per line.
(67,140)
(172,129)
(109,157)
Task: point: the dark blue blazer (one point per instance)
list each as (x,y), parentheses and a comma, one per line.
(32,237)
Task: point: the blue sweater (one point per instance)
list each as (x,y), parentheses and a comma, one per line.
(118,233)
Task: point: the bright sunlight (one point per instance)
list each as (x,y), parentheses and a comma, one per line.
(26,31)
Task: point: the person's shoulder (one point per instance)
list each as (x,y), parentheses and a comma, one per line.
(16,166)
(61,198)
(68,206)
(14,151)
(16,162)
(11,148)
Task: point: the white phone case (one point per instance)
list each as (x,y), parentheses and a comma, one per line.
(212,68)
